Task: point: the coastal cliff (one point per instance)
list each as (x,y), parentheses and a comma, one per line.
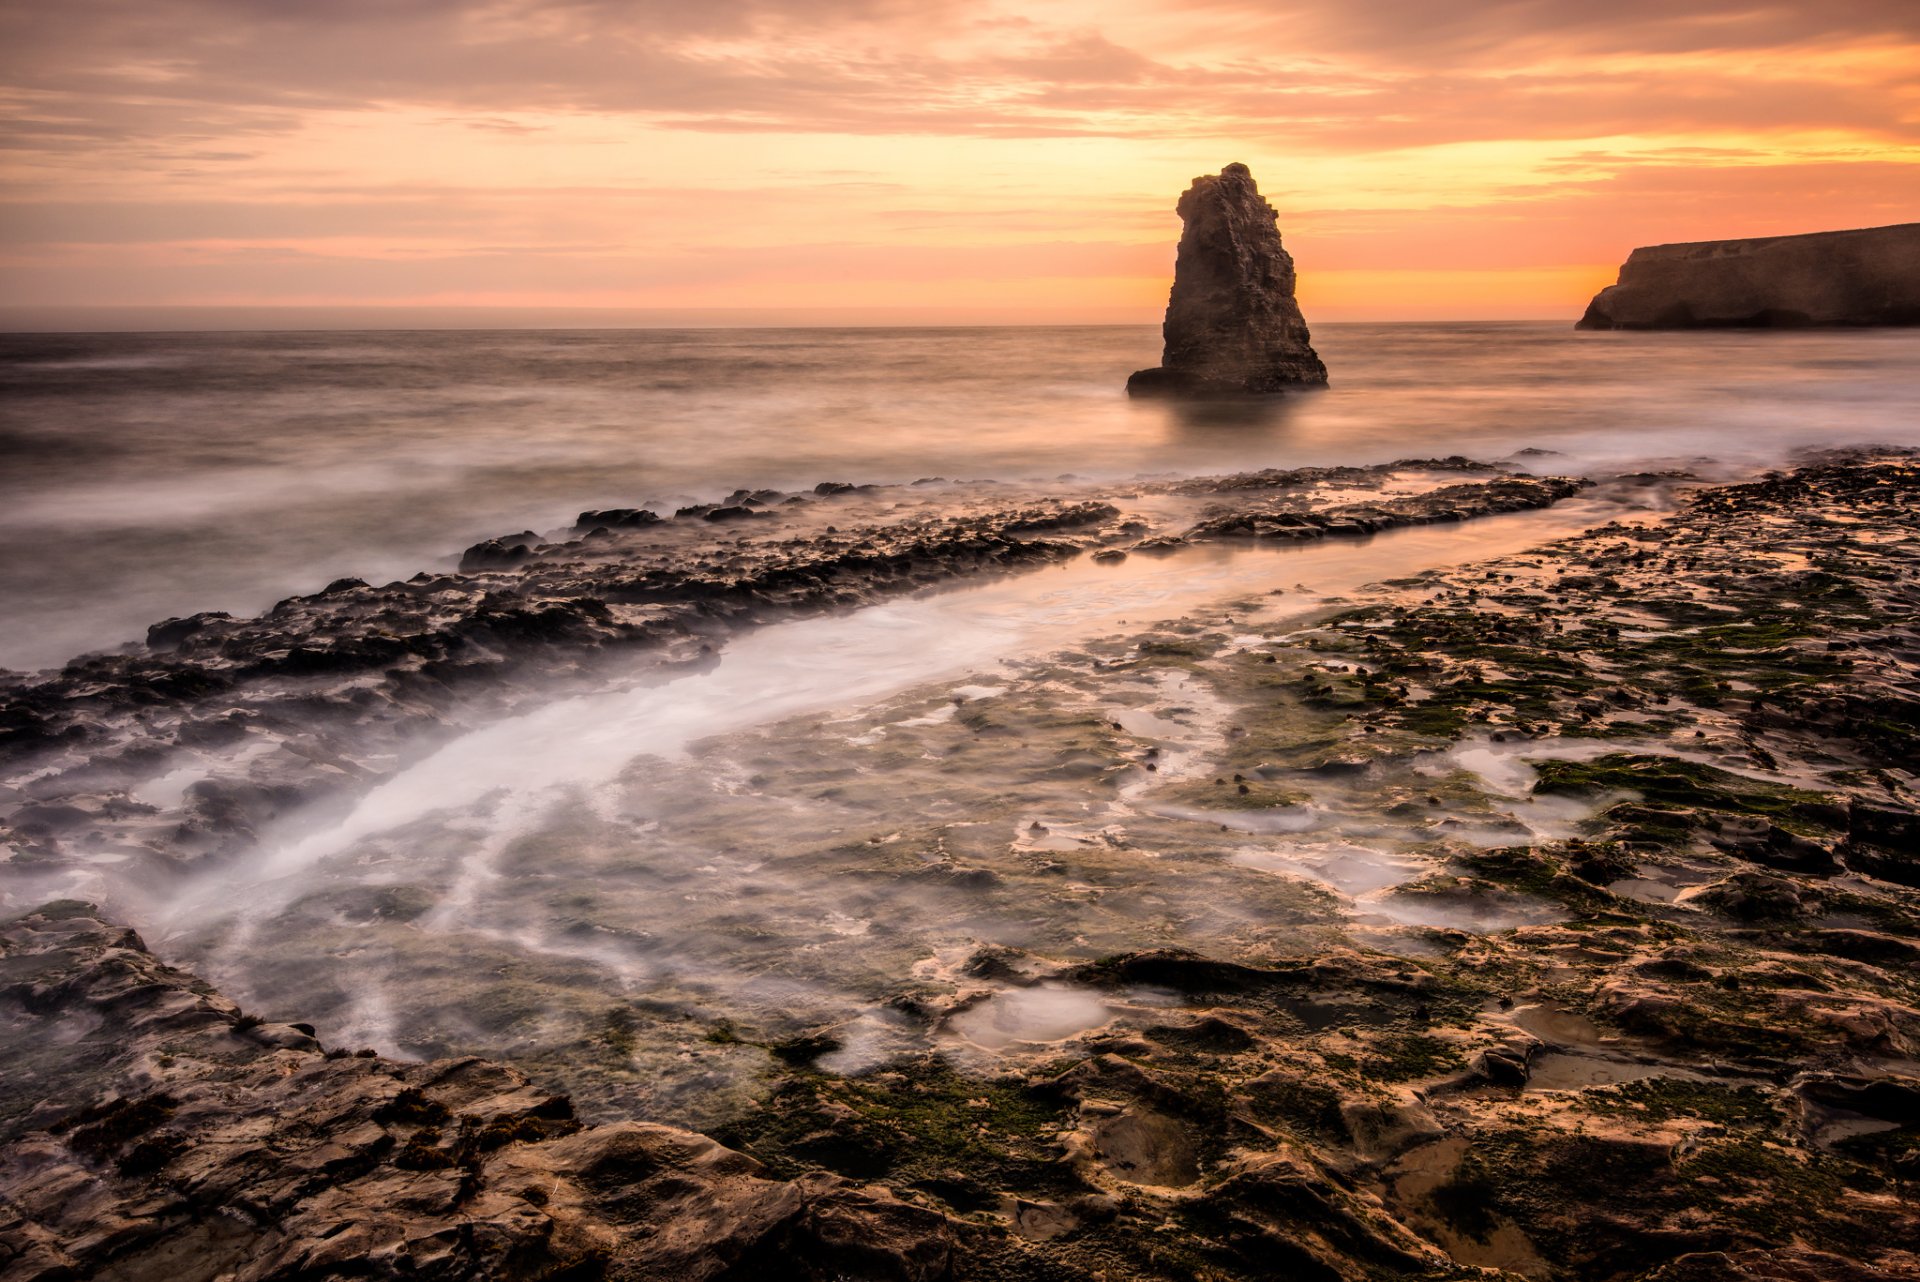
(1865,277)
(1233,327)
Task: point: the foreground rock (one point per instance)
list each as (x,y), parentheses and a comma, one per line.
(1233,327)
(155,1131)
(1625,986)
(1865,277)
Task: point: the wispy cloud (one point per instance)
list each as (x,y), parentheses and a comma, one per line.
(166,148)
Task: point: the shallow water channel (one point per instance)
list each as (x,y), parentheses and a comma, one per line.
(636,890)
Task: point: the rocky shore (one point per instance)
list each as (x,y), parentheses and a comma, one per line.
(1553,917)
(327,693)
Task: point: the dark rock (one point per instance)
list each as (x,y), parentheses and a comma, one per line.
(499,554)
(1757,896)
(1890,1098)
(1233,327)
(1772,1264)
(731,512)
(1865,277)
(169,633)
(617,518)
(265,1157)
(1504,1065)
(1179,971)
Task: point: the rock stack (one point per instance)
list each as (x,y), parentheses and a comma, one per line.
(1233,327)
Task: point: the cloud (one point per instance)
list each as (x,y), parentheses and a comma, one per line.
(1421,31)
(396,143)
(872,66)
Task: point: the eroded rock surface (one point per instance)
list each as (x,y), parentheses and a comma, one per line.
(1547,917)
(152,1130)
(1233,327)
(1865,277)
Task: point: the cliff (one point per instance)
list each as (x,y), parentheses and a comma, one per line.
(1233,327)
(1865,277)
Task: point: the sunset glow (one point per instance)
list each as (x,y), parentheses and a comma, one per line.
(979,161)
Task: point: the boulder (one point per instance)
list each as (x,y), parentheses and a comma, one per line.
(1866,277)
(1233,327)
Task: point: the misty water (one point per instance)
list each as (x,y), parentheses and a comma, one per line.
(149,475)
(833,811)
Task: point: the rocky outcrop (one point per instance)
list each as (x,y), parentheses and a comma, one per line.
(152,1130)
(1865,277)
(1233,327)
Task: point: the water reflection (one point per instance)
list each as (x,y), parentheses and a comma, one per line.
(1210,424)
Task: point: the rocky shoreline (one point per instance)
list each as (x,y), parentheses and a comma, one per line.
(1597,958)
(326,693)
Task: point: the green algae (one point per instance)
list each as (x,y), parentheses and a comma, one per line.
(1666,1099)
(1673,782)
(912,1120)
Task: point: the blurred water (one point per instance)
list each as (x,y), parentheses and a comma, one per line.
(145,475)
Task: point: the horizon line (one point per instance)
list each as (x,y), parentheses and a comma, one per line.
(105,318)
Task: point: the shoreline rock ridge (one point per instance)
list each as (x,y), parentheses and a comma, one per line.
(1865,277)
(1233,327)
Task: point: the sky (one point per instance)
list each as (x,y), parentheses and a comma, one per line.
(948,160)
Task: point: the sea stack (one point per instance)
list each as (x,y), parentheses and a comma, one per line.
(1865,277)
(1233,327)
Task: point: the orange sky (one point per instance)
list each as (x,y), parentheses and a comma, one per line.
(976,160)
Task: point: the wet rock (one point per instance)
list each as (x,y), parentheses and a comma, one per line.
(1888,1098)
(498,554)
(1764,842)
(1282,1218)
(169,633)
(616,518)
(1137,1145)
(1181,971)
(1506,1065)
(1209,1033)
(1275,1041)
(1884,841)
(1780,1264)
(176,1130)
(1756,896)
(1232,325)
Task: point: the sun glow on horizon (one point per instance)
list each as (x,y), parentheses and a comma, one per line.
(844,154)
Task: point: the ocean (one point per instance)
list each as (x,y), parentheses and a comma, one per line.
(149,475)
